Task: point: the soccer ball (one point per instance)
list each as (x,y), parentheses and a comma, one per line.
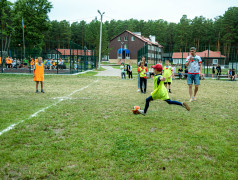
(135,109)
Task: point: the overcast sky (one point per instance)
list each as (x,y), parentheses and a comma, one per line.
(169,10)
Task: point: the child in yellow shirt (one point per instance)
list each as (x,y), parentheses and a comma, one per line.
(160,91)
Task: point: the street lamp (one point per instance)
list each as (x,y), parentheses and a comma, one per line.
(121,50)
(100,43)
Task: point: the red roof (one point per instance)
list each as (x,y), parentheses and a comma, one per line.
(212,54)
(75,52)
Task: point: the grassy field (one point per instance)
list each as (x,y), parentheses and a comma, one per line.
(83,128)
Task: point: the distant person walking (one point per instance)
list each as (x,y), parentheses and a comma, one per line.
(194,64)
(122,68)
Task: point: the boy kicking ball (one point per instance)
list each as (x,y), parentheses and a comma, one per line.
(160,91)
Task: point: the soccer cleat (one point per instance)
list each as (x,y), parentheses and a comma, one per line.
(186,106)
(37,91)
(141,112)
(42,91)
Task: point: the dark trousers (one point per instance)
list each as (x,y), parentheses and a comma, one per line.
(143,81)
(147,103)
(130,75)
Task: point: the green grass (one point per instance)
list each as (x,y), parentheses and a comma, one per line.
(94,135)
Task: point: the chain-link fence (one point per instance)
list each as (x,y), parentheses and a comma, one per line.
(58,58)
(223,57)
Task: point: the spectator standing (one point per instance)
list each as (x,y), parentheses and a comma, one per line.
(123,71)
(168,72)
(138,77)
(213,70)
(142,70)
(173,71)
(180,72)
(218,69)
(38,74)
(151,71)
(194,64)
(25,63)
(130,72)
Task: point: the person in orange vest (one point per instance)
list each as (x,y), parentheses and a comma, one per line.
(7,62)
(32,63)
(53,63)
(0,61)
(38,74)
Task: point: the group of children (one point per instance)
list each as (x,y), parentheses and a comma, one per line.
(127,69)
(168,72)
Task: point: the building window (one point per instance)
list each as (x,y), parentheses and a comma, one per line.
(125,38)
(119,39)
(132,38)
(215,61)
(125,46)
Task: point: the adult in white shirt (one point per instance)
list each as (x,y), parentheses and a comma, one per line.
(194,64)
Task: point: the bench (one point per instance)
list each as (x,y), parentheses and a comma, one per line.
(223,76)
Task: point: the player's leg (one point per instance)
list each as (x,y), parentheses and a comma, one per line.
(147,103)
(141,82)
(190,86)
(37,82)
(169,85)
(178,103)
(42,87)
(145,85)
(197,83)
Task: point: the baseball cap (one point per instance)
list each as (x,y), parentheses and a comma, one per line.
(158,67)
(193,48)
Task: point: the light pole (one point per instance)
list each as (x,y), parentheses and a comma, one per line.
(100,43)
(121,50)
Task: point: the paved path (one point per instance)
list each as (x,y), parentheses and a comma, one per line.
(110,71)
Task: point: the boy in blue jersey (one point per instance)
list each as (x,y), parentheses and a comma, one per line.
(160,91)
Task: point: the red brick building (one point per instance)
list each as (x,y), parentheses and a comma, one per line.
(125,46)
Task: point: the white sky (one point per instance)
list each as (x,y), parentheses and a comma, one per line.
(169,10)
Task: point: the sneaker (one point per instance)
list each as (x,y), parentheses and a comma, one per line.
(194,98)
(138,90)
(186,106)
(37,91)
(42,91)
(141,112)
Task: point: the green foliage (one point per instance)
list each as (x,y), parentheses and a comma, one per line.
(36,20)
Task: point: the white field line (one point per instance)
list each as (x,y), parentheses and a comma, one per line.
(43,110)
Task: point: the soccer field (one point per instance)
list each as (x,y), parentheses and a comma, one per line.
(83,128)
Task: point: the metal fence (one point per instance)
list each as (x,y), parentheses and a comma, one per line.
(224,56)
(68,58)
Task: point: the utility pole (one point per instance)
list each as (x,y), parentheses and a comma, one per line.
(100,43)
(1,35)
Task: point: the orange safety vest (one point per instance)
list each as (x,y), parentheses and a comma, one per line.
(39,72)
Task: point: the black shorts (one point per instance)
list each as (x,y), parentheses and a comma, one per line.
(167,83)
(25,64)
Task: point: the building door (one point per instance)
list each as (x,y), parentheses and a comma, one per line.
(123,54)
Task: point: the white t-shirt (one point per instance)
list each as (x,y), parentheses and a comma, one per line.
(193,67)
(173,69)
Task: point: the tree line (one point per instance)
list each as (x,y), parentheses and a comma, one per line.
(220,34)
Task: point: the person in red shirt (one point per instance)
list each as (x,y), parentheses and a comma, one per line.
(142,70)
